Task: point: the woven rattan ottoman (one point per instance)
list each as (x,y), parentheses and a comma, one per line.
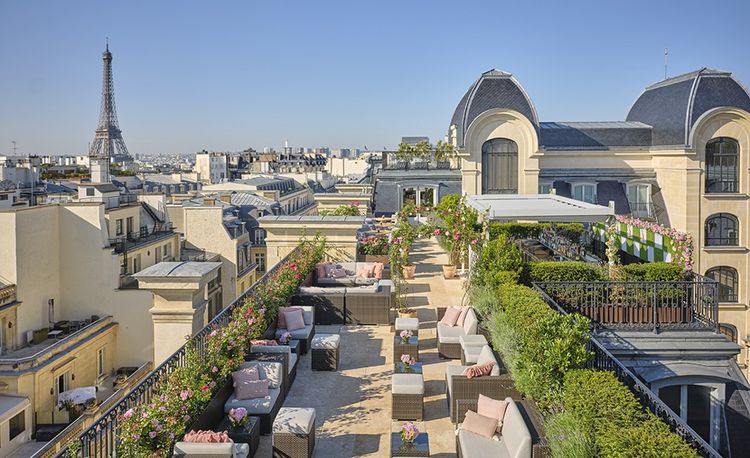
(409,324)
(294,433)
(407,396)
(325,352)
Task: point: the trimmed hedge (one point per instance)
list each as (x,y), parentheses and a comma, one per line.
(654,271)
(565,271)
(571,231)
(610,417)
(499,262)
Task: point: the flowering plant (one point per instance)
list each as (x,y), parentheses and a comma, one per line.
(408,360)
(405,335)
(682,243)
(409,432)
(285,337)
(373,245)
(238,417)
(458,227)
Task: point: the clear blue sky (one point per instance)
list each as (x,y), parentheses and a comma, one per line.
(225,75)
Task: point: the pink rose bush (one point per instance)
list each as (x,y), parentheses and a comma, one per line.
(682,243)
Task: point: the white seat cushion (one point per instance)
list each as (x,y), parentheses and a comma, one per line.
(516,434)
(326,341)
(470,322)
(407,384)
(475,446)
(298,334)
(471,354)
(410,324)
(449,334)
(254,406)
(472,340)
(294,420)
(485,356)
(198,449)
(450,371)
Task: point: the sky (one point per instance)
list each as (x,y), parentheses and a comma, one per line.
(226,75)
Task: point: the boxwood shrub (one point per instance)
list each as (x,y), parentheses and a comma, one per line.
(565,271)
(653,271)
(571,231)
(499,262)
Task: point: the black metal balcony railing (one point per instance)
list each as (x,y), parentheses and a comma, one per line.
(643,210)
(605,361)
(100,439)
(137,239)
(689,304)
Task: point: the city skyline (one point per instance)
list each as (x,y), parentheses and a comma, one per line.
(336,76)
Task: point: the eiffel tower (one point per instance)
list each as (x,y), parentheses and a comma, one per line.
(108,143)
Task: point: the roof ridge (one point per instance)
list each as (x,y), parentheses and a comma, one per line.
(688,76)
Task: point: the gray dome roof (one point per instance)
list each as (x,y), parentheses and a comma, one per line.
(674,105)
(494,89)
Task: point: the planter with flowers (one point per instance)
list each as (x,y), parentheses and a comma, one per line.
(458,230)
(373,248)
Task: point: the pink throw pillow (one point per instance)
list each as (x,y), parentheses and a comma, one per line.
(479,424)
(281,319)
(451,316)
(378,270)
(320,269)
(251,390)
(294,320)
(364,272)
(263,342)
(479,370)
(492,408)
(207,437)
(462,316)
(248,374)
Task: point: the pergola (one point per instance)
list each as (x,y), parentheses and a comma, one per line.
(538,207)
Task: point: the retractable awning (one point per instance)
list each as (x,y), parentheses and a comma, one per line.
(538,207)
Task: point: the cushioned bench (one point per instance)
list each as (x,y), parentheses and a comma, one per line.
(449,345)
(267,407)
(325,352)
(294,433)
(304,335)
(514,442)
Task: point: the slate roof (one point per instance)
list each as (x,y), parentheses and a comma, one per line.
(494,89)
(593,135)
(246,198)
(674,105)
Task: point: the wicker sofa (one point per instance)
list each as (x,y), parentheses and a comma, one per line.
(514,442)
(328,303)
(449,345)
(304,335)
(351,278)
(369,304)
(265,408)
(497,385)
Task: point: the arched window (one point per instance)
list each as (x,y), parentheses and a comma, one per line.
(728,283)
(722,165)
(499,166)
(722,229)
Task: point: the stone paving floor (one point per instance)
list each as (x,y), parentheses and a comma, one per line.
(353,405)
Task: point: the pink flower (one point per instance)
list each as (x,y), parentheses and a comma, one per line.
(456,236)
(205,388)
(212,334)
(474,242)
(152,434)
(184,395)
(128,413)
(437,231)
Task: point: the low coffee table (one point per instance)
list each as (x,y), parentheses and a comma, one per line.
(401,348)
(249,433)
(419,448)
(400,368)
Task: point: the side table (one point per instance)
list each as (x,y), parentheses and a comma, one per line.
(419,448)
(410,348)
(249,433)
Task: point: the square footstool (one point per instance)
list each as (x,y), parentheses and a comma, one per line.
(294,433)
(471,345)
(407,396)
(408,324)
(325,352)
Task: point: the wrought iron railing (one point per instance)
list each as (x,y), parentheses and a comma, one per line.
(100,439)
(605,361)
(650,305)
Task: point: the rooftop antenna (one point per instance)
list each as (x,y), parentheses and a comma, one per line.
(666,61)
(14,147)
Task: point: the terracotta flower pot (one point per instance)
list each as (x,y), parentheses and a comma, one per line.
(449,271)
(409,271)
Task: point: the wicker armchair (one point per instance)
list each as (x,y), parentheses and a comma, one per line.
(447,336)
(280,353)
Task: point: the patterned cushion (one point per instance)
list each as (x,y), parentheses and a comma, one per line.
(251,390)
(207,437)
(479,370)
(479,424)
(263,343)
(365,270)
(281,320)
(294,320)
(451,316)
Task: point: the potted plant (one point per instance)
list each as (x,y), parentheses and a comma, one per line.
(409,433)
(374,248)
(459,229)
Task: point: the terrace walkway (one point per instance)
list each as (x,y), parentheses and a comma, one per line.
(353,405)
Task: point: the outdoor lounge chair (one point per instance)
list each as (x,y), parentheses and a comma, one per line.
(513,442)
(305,335)
(449,345)
(266,408)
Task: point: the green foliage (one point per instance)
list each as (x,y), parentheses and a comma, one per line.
(653,271)
(499,262)
(407,152)
(609,414)
(341,210)
(571,231)
(484,301)
(568,437)
(564,271)
(444,151)
(458,227)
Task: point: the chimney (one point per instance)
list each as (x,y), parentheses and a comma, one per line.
(226,198)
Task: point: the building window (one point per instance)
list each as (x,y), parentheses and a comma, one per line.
(17,425)
(545,188)
(260,236)
(585,192)
(3,197)
(118,227)
(722,165)
(639,200)
(129,225)
(260,260)
(62,382)
(728,283)
(100,368)
(499,166)
(89,192)
(722,229)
